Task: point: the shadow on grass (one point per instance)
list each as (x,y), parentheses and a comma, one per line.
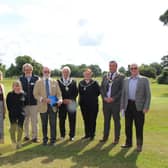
(164,95)
(101,158)
(62,150)
(80,152)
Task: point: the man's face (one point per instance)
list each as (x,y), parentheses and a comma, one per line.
(46,72)
(134,70)
(112,67)
(28,71)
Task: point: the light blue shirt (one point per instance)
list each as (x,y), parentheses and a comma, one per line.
(132,87)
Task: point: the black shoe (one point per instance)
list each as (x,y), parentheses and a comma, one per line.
(126,146)
(103,140)
(115,142)
(35,140)
(44,143)
(52,143)
(91,138)
(26,139)
(71,138)
(139,148)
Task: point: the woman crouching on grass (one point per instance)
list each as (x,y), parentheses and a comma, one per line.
(15,104)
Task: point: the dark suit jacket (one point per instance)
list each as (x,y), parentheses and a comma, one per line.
(116,87)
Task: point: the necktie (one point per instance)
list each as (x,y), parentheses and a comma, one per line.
(111,76)
(47,87)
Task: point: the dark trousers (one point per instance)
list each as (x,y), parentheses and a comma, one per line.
(51,115)
(111,110)
(138,117)
(63,111)
(89,115)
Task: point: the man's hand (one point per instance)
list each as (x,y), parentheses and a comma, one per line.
(59,103)
(67,101)
(46,100)
(108,99)
(145,111)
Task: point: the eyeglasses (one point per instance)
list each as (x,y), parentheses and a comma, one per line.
(134,68)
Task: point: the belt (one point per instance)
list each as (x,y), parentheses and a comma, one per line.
(131,101)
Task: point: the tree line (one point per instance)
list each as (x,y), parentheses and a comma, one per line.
(154,70)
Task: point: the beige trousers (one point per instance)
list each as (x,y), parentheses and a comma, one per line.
(31,114)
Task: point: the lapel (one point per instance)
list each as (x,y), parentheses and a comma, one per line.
(127,85)
(116,76)
(138,84)
(50,84)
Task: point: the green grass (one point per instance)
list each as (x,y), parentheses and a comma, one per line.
(84,154)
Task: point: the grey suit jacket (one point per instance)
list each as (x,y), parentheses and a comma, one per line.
(116,87)
(143,94)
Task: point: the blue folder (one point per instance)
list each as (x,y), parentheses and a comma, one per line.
(53,100)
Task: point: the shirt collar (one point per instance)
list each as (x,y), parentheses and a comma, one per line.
(44,78)
(134,77)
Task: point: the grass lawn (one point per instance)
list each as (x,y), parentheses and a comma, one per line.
(92,154)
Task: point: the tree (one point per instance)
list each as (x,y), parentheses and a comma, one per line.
(11,71)
(77,70)
(20,61)
(157,67)
(2,68)
(147,71)
(163,77)
(96,70)
(56,72)
(164,62)
(164,18)
(16,70)
(122,70)
(37,67)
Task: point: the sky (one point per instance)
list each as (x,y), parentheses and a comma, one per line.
(57,32)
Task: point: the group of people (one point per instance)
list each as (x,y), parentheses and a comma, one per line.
(32,94)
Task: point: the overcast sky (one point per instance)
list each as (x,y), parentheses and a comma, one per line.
(57,32)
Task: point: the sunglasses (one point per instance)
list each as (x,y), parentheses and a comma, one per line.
(46,72)
(134,68)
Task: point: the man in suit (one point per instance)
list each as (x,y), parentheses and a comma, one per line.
(135,102)
(111,87)
(69,93)
(44,88)
(28,80)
